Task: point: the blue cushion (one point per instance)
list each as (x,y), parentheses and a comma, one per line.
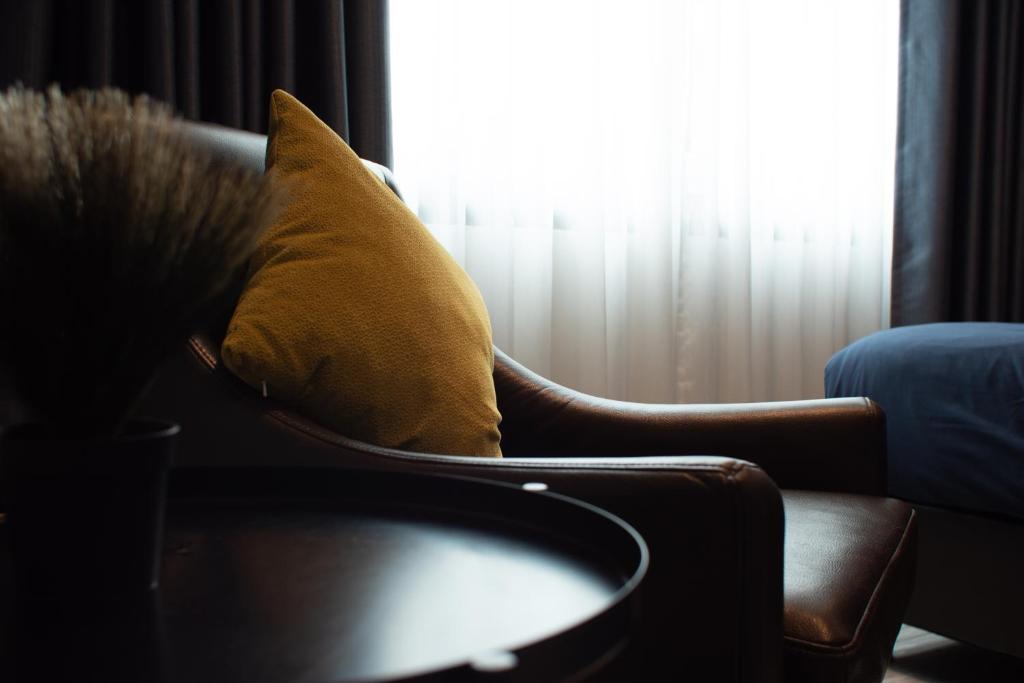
(953,395)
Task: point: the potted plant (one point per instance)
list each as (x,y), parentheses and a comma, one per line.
(116,236)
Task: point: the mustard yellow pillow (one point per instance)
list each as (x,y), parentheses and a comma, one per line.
(354,313)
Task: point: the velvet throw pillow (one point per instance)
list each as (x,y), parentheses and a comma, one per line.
(354,314)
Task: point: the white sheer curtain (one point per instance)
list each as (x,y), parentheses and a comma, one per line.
(677,200)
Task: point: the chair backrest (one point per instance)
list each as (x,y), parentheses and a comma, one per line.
(227,422)
(224,420)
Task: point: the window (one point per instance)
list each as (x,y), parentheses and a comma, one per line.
(675,200)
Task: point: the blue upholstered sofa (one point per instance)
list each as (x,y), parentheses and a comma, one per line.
(953,395)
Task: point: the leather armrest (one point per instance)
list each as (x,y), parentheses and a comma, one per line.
(711,604)
(712,599)
(826,444)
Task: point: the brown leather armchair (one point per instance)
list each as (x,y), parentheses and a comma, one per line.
(746,582)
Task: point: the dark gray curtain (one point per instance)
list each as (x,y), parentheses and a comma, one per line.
(214,60)
(958,250)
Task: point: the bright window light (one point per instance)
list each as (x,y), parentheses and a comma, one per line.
(647,192)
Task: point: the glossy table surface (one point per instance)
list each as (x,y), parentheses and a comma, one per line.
(332,575)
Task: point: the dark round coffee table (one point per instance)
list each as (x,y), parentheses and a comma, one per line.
(337,575)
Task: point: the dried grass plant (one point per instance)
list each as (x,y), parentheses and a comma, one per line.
(116,236)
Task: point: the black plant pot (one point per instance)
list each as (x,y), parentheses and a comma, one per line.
(86,515)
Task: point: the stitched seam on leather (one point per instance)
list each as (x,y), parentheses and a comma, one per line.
(870,608)
(729,468)
(201,351)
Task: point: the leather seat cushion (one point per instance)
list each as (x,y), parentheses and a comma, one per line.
(848,575)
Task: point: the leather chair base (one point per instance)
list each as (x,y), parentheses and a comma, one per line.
(844,596)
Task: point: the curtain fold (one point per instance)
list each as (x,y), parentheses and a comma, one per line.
(660,201)
(958,250)
(213,61)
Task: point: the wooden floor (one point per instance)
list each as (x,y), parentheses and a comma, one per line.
(923,657)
